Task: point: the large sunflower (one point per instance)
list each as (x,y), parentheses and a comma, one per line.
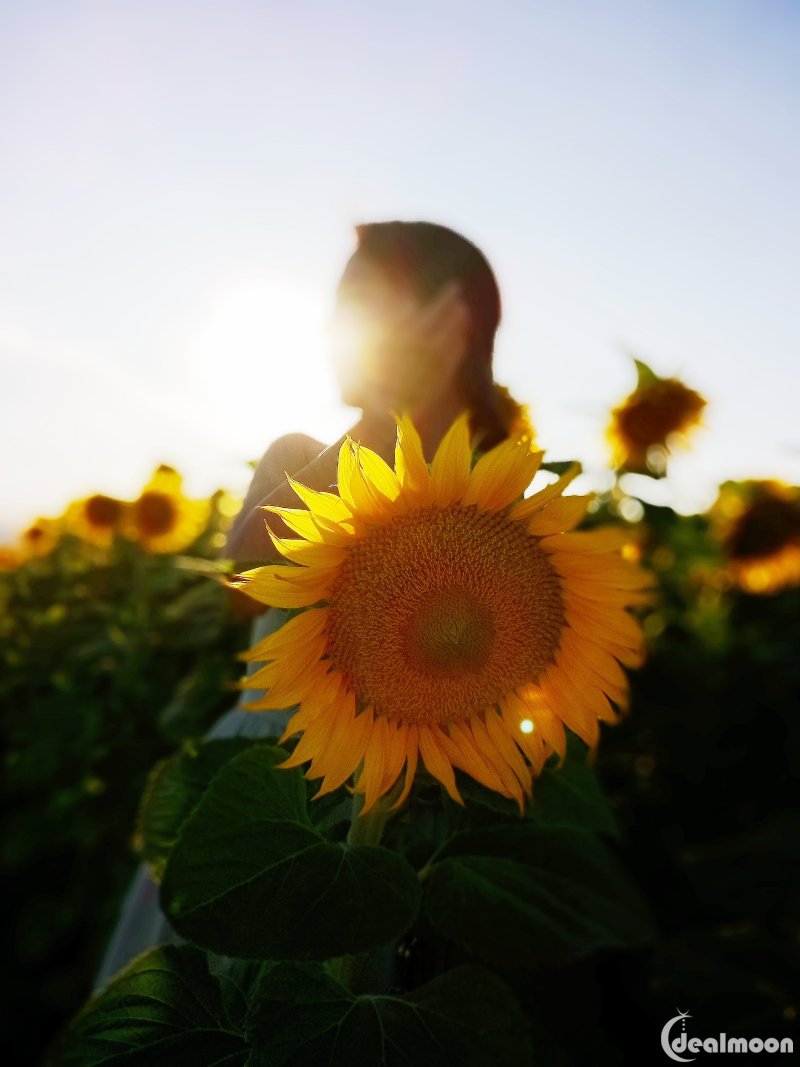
(163,519)
(445,618)
(646,423)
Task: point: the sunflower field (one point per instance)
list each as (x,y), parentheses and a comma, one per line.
(536,786)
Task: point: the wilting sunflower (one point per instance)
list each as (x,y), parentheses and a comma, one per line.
(759,526)
(163,519)
(96,518)
(645,425)
(445,618)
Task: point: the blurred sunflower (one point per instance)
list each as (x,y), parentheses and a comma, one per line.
(646,424)
(446,618)
(39,539)
(163,519)
(520,426)
(10,558)
(96,518)
(758,523)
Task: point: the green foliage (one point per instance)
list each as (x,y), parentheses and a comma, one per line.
(645,375)
(664,871)
(95,653)
(168,1007)
(466,1016)
(251,875)
(530,895)
(174,790)
(177,1005)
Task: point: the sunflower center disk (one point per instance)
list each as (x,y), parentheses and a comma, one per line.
(155,513)
(438,614)
(452,630)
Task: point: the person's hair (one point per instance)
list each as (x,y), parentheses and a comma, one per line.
(427,256)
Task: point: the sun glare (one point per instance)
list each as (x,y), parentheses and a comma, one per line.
(266,338)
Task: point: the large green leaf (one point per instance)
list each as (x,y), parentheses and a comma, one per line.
(252,876)
(467,1017)
(527,895)
(174,789)
(167,1008)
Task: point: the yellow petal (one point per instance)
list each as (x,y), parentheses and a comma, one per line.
(282,586)
(395,756)
(348,751)
(605,539)
(378,473)
(302,522)
(369,781)
(558,694)
(308,553)
(462,752)
(450,470)
(436,762)
(296,633)
(531,504)
(560,515)
(325,506)
(346,468)
(536,708)
(502,475)
(409,459)
(412,755)
(500,737)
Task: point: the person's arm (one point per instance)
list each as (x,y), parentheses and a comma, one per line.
(248,539)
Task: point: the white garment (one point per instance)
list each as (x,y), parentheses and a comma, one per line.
(142,924)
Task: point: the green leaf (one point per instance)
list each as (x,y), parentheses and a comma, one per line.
(166,1008)
(466,1017)
(645,376)
(252,876)
(570,795)
(558,467)
(528,895)
(174,789)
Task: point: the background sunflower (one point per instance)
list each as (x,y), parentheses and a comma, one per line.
(648,422)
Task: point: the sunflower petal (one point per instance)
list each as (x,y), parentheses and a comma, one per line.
(560,515)
(502,475)
(308,553)
(450,470)
(409,459)
(281,586)
(326,506)
(303,629)
(378,473)
(531,504)
(412,756)
(433,756)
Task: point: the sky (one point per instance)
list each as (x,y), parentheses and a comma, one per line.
(181,181)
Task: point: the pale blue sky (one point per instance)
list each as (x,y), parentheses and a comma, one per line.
(180,182)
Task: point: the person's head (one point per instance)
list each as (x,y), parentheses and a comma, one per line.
(400,266)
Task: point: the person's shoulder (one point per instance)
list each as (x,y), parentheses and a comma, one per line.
(293,446)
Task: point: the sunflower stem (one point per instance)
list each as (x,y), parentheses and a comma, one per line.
(368,829)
